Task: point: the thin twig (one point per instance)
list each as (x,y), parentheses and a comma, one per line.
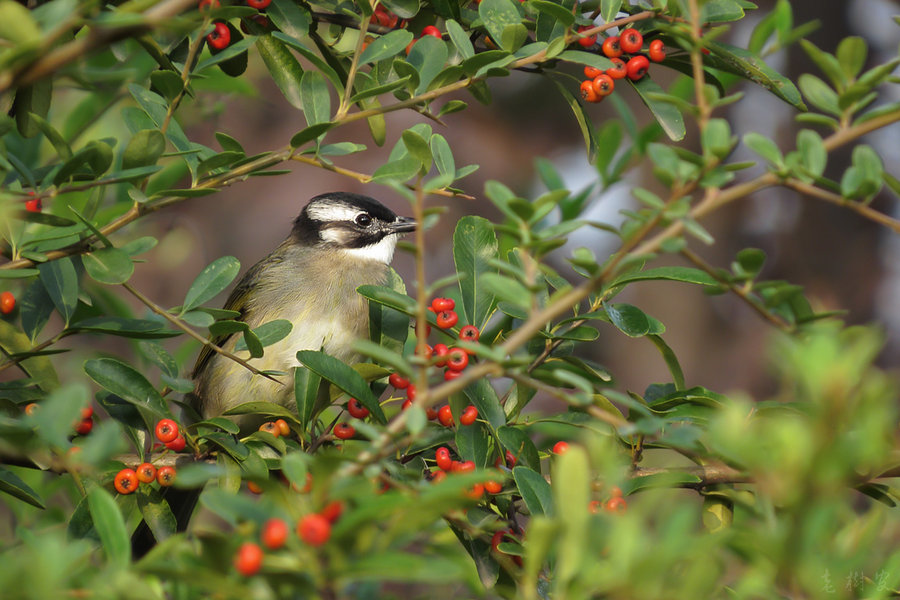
(861,209)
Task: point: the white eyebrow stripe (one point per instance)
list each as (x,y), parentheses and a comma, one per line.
(333,212)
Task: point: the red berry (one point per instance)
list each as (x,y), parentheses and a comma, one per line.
(274,533)
(166,430)
(445,416)
(34,205)
(603,85)
(616,504)
(615,491)
(220,36)
(87,412)
(254,487)
(146,472)
(468,416)
(496,540)
(431,414)
(314,529)
(248,559)
(637,67)
(425,351)
(510,460)
(442,458)
(84,426)
(618,70)
(283,427)
(476,491)
(307,486)
(450,375)
(442,304)
(587,91)
(126,481)
(177,445)
(438,476)
(205,5)
(587,41)
(398,381)
(466,466)
(357,410)
(165,476)
(457,360)
(258,4)
(446,319)
(7,302)
(560,447)
(31,408)
(469,333)
(611,47)
(594,506)
(343,431)
(631,40)
(411,392)
(431,30)
(333,511)
(591,72)
(270,427)
(493,487)
(656,53)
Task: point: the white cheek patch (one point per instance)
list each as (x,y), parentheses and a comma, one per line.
(335,235)
(382,251)
(332,212)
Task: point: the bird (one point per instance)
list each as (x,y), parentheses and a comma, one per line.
(338,242)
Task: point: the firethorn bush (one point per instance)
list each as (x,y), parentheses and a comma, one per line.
(477,447)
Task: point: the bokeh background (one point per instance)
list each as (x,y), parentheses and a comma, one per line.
(843,261)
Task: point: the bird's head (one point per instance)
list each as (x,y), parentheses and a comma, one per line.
(351,223)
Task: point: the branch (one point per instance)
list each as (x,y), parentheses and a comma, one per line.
(861,209)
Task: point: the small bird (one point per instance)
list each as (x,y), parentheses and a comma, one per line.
(339,242)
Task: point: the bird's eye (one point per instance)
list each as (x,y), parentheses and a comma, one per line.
(363,220)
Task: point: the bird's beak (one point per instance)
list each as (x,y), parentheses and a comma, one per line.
(403,225)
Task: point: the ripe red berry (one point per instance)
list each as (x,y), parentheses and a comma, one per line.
(440,352)
(586,41)
(31,408)
(398,381)
(637,67)
(442,304)
(165,476)
(411,392)
(431,414)
(343,431)
(270,427)
(146,472)
(220,36)
(274,533)
(493,487)
(445,415)
(177,445)
(7,302)
(616,504)
(431,30)
(425,351)
(611,47)
(34,205)
(657,53)
(446,319)
(594,506)
(591,72)
(84,426)
(468,416)
(496,540)
(248,559)
(87,412)
(438,476)
(618,70)
(631,40)
(466,466)
(333,511)
(587,91)
(615,491)
(166,430)
(357,410)
(603,85)
(314,529)
(469,333)
(283,427)
(476,491)
(450,374)
(254,487)
(560,447)
(258,4)
(442,458)
(126,481)
(457,360)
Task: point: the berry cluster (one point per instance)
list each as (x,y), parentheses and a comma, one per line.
(279,428)
(82,426)
(127,480)
(313,529)
(615,504)
(624,50)
(447,464)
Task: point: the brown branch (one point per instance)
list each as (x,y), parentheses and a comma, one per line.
(863,210)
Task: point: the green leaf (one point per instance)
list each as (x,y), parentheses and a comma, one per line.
(428,57)
(460,39)
(400,170)
(306,387)
(671,360)
(586,58)
(310,133)
(167,83)
(851,55)
(111,266)
(443,155)
(683,274)
(61,282)
(535,491)
(388,297)
(721,11)
(666,114)
(813,155)
(268,333)
(127,383)
(474,247)
(571,477)
(484,397)
(110,526)
(584,122)
(155,510)
(31,100)
(284,68)
(417,148)
(520,445)
(496,16)
(211,281)
(53,136)
(765,147)
(750,66)
(289,18)
(144,149)
(819,94)
(343,377)
(609,9)
(386,46)
(630,320)
(316,98)
(11,484)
